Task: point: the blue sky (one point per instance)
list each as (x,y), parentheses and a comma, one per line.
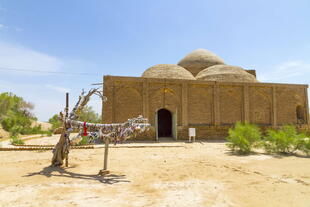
(126,37)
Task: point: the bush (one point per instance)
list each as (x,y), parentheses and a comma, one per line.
(304,145)
(15,115)
(15,130)
(243,137)
(284,140)
(84,141)
(16,140)
(49,133)
(89,115)
(56,123)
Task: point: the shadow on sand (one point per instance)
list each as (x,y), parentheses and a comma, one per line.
(274,155)
(52,171)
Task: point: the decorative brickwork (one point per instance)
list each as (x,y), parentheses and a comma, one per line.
(210,107)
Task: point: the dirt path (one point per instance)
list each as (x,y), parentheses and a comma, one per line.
(200,174)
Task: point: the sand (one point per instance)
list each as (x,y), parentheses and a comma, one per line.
(199,174)
(44,125)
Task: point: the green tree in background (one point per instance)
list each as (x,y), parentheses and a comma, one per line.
(55,122)
(15,115)
(87,115)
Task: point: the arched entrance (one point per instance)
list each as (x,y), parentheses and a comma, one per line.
(164,123)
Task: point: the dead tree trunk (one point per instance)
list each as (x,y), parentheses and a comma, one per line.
(61,150)
(120,131)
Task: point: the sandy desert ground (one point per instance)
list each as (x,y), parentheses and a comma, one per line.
(179,174)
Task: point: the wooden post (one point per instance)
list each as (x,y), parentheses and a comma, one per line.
(106,151)
(105,171)
(65,128)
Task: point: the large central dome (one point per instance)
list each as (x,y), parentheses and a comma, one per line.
(200,59)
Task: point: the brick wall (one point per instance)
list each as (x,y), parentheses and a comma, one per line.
(260,102)
(231,104)
(200,102)
(211,107)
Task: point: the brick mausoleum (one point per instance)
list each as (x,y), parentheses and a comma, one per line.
(202,92)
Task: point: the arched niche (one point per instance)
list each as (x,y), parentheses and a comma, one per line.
(163,98)
(231,104)
(128,104)
(260,108)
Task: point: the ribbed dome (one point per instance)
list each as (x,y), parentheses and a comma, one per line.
(225,73)
(198,60)
(167,71)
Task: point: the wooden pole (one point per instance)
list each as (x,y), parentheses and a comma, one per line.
(105,171)
(106,152)
(67,113)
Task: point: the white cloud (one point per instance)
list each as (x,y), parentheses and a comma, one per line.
(46,103)
(46,92)
(45,108)
(290,71)
(19,57)
(57,88)
(18,29)
(2,26)
(295,72)
(96,103)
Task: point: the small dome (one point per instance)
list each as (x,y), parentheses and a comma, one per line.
(225,73)
(198,60)
(167,71)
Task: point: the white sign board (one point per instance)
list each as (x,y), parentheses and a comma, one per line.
(192,132)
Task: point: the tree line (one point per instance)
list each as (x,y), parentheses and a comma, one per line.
(16,116)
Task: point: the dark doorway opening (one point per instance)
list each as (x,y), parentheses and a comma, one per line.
(300,115)
(164,118)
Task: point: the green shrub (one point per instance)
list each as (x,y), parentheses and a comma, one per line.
(16,140)
(56,123)
(49,133)
(284,140)
(15,115)
(303,145)
(243,137)
(15,130)
(87,114)
(84,141)
(35,130)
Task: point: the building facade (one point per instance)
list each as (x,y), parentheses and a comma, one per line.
(202,92)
